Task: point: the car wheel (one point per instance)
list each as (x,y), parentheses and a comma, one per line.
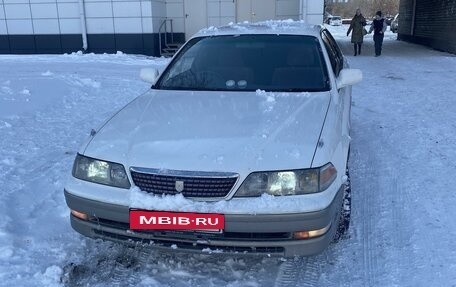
(345,212)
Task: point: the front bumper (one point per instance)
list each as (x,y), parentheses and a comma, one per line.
(267,234)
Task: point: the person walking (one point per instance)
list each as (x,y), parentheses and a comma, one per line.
(357,28)
(379,27)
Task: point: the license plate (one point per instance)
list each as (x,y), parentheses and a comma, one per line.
(158,220)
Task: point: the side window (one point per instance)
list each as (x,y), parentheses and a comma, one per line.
(333,43)
(335,54)
(331,55)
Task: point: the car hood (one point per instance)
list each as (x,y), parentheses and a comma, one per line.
(214,131)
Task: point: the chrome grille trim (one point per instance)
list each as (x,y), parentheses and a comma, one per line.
(184,173)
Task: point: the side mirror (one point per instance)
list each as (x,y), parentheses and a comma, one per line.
(149,75)
(349,77)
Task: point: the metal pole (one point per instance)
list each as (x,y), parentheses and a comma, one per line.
(82,16)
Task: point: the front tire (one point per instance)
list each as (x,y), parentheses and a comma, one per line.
(345,212)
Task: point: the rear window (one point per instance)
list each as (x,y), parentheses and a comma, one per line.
(291,63)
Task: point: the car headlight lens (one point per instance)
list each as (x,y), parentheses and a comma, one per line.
(294,182)
(102,172)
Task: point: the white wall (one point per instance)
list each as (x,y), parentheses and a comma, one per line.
(175,11)
(287,9)
(312,11)
(129,16)
(28,17)
(123,16)
(158,8)
(221,12)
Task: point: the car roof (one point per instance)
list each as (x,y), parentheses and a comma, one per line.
(289,27)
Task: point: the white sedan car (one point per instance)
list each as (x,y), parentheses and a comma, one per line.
(241,145)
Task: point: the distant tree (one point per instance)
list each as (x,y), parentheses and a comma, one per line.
(368,7)
(388,7)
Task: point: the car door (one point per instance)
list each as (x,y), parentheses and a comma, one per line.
(338,62)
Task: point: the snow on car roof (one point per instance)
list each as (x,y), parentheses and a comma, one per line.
(265,27)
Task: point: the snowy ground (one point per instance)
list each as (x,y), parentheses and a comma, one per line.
(402,166)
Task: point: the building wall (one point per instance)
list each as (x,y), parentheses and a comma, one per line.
(312,11)
(288,9)
(54,26)
(130,26)
(429,22)
(221,12)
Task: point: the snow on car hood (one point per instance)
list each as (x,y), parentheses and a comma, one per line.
(214,131)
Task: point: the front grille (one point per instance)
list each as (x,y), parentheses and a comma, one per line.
(195,184)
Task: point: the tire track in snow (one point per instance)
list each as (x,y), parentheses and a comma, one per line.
(364,176)
(108,264)
(126,268)
(401,235)
(366,234)
(380,211)
(384,213)
(289,272)
(301,271)
(398,232)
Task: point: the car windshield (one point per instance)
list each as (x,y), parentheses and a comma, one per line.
(336,18)
(290,63)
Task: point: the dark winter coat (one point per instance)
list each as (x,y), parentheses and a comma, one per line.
(356,27)
(378,26)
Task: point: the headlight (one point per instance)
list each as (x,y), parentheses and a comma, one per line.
(99,171)
(292,182)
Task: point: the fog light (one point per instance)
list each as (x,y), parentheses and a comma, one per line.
(310,233)
(79,215)
(301,235)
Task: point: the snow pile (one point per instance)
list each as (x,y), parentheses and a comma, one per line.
(265,204)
